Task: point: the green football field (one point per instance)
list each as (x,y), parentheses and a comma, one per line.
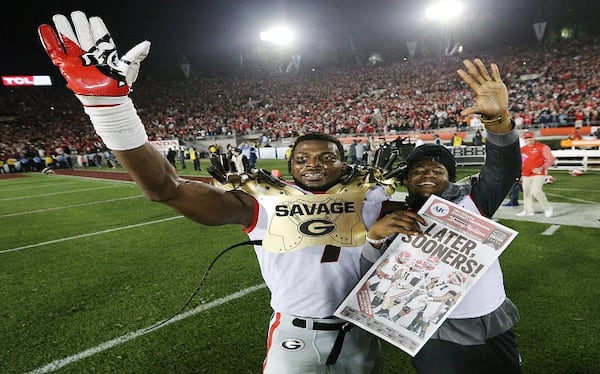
(87,266)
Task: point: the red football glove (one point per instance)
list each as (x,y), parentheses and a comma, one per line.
(88,59)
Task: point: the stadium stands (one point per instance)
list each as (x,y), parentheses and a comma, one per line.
(549,84)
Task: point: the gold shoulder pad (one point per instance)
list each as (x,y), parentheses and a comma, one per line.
(363,180)
(260,183)
(257,184)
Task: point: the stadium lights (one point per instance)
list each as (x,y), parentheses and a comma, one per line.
(444,10)
(279,35)
(444,13)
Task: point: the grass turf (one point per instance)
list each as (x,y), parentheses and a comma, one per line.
(112,267)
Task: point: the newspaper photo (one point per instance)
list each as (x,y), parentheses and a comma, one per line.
(419,280)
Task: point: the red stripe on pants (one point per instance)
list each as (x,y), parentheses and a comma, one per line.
(274,326)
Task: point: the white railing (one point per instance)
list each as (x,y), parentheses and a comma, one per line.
(584,159)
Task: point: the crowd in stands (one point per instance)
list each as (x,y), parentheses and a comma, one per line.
(549,85)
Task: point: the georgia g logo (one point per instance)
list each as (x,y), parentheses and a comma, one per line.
(316,227)
(292,344)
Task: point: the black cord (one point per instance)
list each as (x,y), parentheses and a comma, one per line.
(204,276)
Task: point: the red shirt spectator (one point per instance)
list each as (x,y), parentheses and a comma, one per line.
(575,134)
(536,157)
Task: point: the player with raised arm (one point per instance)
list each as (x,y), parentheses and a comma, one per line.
(306,285)
(309,263)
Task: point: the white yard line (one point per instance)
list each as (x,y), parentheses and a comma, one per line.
(57,193)
(551,230)
(94,179)
(567,189)
(572,198)
(70,206)
(35,186)
(55,365)
(88,235)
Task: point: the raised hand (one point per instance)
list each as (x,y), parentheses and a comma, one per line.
(87,56)
(491,95)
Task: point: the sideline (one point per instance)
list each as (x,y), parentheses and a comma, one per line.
(70,206)
(584,213)
(34,186)
(551,230)
(55,365)
(565,214)
(58,193)
(89,234)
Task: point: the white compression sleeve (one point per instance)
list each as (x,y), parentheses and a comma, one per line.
(115,121)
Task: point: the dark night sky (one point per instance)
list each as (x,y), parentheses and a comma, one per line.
(212,33)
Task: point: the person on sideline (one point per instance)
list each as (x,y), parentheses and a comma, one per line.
(306,285)
(240,161)
(536,159)
(195,158)
(288,157)
(182,157)
(478,138)
(361,149)
(171,156)
(513,194)
(352,152)
(575,134)
(253,157)
(477,337)
(457,140)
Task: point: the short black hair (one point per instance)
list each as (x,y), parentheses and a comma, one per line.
(319,136)
(433,152)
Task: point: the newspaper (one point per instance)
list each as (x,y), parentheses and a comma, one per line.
(419,280)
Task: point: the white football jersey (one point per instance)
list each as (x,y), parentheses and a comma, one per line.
(313,281)
(487,294)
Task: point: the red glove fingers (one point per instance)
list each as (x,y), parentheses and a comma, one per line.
(87,57)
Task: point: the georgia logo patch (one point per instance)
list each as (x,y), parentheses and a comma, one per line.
(291,344)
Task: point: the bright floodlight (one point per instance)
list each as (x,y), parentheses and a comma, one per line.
(279,35)
(444,10)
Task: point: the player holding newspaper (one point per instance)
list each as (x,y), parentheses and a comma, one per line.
(477,336)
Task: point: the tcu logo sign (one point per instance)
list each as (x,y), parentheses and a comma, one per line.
(27,80)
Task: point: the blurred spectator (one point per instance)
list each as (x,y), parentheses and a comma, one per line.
(171,156)
(288,157)
(575,134)
(253,157)
(195,158)
(240,161)
(182,157)
(478,138)
(457,140)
